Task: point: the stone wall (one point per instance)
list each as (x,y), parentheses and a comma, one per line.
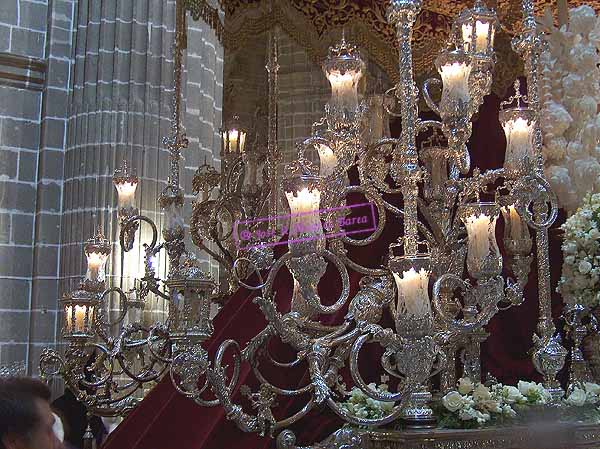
(32,136)
(104,94)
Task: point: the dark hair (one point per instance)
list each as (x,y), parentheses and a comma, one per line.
(18,410)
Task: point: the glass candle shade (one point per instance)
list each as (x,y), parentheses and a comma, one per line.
(171,202)
(125,183)
(517,239)
(475,30)
(518,125)
(304,198)
(96,250)
(413,292)
(344,68)
(454,67)
(233,136)
(78,307)
(327,160)
(483,255)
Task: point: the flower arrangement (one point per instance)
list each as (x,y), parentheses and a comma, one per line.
(474,404)
(580,280)
(570,93)
(362,406)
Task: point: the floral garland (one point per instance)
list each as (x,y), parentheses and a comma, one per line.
(475,405)
(580,280)
(362,406)
(570,93)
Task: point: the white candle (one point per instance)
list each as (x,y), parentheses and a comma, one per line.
(482,239)
(481,35)
(304,211)
(95,266)
(236,140)
(174,216)
(126,194)
(344,90)
(79,324)
(455,77)
(519,142)
(327,159)
(513,223)
(413,293)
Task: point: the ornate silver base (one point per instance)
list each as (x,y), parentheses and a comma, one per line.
(417,414)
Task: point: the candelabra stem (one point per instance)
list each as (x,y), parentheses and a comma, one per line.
(402,14)
(548,354)
(273,155)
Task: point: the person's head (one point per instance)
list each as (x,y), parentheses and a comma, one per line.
(26,418)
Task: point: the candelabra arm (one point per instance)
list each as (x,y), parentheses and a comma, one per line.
(427,95)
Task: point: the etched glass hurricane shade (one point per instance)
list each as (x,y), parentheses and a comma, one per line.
(454,68)
(483,255)
(96,265)
(126,193)
(519,138)
(304,210)
(413,293)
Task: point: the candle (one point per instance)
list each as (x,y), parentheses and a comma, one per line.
(344,92)
(235,140)
(413,293)
(126,194)
(481,235)
(328,160)
(79,317)
(455,77)
(519,142)
(95,266)
(174,216)
(481,36)
(304,211)
(514,225)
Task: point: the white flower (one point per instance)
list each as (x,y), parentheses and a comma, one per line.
(512,395)
(453,401)
(481,393)
(584,267)
(508,411)
(582,19)
(468,414)
(576,398)
(592,388)
(534,392)
(465,385)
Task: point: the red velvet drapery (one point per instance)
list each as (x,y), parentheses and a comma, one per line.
(167,420)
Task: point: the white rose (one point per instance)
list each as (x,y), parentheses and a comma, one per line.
(570,248)
(481,393)
(512,395)
(507,410)
(490,405)
(453,401)
(592,388)
(584,267)
(465,385)
(576,398)
(594,234)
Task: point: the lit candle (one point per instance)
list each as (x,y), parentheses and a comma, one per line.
(481,233)
(235,140)
(79,324)
(344,90)
(328,160)
(455,77)
(481,36)
(413,293)
(513,223)
(519,141)
(96,262)
(304,211)
(126,194)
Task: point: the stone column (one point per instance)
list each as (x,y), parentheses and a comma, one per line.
(120,109)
